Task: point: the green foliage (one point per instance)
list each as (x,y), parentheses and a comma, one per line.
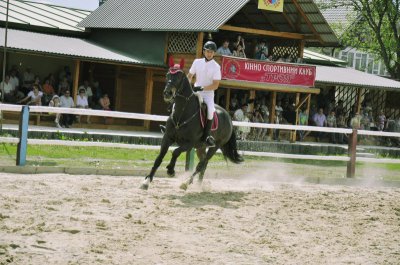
(376,29)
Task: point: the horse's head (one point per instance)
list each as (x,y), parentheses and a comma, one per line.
(175,78)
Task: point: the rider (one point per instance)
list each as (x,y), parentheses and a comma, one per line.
(208,75)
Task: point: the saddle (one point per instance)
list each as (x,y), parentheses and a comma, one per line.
(203,114)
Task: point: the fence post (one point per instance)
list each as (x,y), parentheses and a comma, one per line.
(23,136)
(189,165)
(351,164)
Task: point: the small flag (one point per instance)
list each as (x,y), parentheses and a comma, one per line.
(273,5)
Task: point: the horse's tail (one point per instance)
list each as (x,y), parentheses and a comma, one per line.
(229,150)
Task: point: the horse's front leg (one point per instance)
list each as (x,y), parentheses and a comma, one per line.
(175,154)
(201,154)
(165,144)
(211,152)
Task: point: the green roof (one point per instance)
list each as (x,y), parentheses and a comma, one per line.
(76,48)
(42,15)
(322,59)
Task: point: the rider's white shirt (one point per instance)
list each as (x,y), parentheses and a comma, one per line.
(206,73)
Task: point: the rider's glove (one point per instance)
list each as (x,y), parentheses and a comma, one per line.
(198,88)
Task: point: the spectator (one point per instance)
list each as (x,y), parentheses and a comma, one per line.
(381,121)
(278,119)
(224,49)
(28,79)
(261,51)
(34,97)
(48,92)
(339,109)
(239,51)
(14,80)
(52,80)
(365,121)
(258,118)
(331,122)
(239,40)
(341,123)
(67,102)
(88,91)
(63,86)
(234,103)
(320,120)
(55,102)
(303,121)
(37,83)
(104,102)
(240,115)
(82,102)
(7,89)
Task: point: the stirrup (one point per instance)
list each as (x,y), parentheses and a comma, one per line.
(210,141)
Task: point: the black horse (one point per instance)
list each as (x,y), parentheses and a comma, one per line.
(184,128)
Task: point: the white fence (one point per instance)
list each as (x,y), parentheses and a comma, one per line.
(139,116)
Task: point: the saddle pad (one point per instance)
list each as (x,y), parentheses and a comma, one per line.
(203,116)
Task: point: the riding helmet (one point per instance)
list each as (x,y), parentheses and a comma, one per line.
(210,45)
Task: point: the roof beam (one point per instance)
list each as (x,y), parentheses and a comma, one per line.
(287,35)
(301,12)
(269,21)
(289,21)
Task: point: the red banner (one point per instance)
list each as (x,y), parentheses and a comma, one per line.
(268,72)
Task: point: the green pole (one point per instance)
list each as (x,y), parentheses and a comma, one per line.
(189,166)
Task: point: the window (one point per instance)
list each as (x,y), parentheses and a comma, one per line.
(364,62)
(350,59)
(370,65)
(344,56)
(383,69)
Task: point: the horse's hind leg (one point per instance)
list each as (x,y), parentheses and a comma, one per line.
(175,154)
(165,144)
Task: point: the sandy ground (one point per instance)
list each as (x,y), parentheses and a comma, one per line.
(63,219)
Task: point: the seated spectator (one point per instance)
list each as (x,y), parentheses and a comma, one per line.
(63,86)
(28,78)
(239,40)
(82,102)
(355,122)
(67,102)
(261,51)
(48,92)
(15,84)
(224,49)
(258,118)
(34,97)
(9,92)
(339,109)
(331,122)
(88,91)
(55,102)
(104,102)
(320,120)
(239,51)
(381,121)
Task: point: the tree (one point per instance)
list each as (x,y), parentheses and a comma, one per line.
(376,29)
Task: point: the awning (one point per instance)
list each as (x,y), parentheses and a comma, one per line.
(342,76)
(76,48)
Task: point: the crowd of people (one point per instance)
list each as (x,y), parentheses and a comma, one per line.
(261,51)
(55,91)
(331,115)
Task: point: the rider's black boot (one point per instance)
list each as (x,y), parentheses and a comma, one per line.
(207,138)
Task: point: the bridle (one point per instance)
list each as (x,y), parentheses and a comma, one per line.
(178,93)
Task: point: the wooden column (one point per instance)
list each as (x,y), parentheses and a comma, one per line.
(272,112)
(293,133)
(252,96)
(76,79)
(301,49)
(199,48)
(148,96)
(228,99)
(351,164)
(359,90)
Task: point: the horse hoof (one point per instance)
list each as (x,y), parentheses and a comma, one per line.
(171,174)
(144,186)
(184,186)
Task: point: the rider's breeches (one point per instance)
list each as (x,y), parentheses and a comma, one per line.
(209,100)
